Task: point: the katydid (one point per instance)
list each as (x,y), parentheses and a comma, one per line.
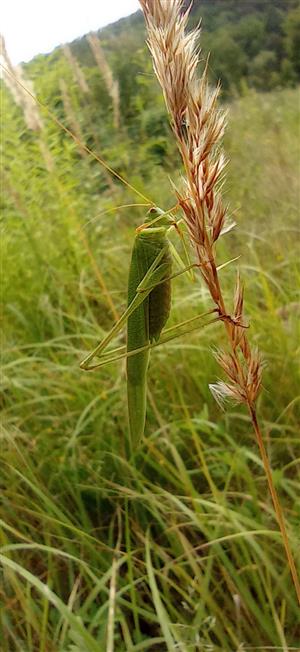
(151,250)
(149,300)
(148,308)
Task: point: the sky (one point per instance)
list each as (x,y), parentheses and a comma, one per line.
(32,27)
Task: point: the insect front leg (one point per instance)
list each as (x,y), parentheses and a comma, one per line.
(136,302)
(149,280)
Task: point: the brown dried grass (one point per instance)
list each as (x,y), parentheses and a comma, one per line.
(15,81)
(106,71)
(71,115)
(75,67)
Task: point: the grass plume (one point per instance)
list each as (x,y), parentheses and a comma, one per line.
(198,125)
(71,116)
(75,67)
(106,71)
(23,99)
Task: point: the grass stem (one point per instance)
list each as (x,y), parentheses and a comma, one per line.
(276,502)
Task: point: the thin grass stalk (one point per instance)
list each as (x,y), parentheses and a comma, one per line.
(69,111)
(99,276)
(106,71)
(198,126)
(110,634)
(276,502)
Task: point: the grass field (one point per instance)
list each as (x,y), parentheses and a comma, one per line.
(177,549)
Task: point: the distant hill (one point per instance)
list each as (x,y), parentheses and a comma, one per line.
(252,44)
(252,41)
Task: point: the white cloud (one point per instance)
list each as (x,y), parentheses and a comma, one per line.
(34,26)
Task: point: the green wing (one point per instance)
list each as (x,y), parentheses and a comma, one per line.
(147,321)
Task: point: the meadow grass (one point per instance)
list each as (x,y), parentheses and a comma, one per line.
(178,548)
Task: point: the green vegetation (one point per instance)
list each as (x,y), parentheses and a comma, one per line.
(178,549)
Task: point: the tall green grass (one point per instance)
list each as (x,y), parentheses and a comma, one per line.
(178,548)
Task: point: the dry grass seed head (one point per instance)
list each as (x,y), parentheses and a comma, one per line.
(199,127)
(16,83)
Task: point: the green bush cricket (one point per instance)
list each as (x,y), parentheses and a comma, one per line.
(148,309)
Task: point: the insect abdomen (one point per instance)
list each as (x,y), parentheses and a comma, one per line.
(160,302)
(150,243)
